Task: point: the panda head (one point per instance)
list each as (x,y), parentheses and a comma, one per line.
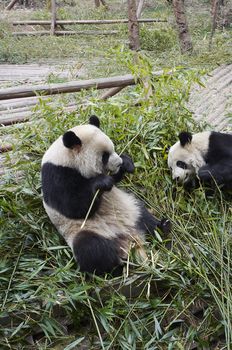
(85,148)
(183,158)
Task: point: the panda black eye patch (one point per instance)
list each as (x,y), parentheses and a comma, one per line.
(181,164)
(105,157)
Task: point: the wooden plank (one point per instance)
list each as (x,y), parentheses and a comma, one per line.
(72,86)
(93,21)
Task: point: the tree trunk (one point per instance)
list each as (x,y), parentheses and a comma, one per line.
(215,4)
(99,2)
(133,25)
(139,8)
(181,21)
(53,18)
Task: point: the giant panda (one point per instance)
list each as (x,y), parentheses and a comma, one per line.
(206,156)
(99,221)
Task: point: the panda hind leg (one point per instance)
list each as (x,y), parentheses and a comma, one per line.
(96,254)
(149,223)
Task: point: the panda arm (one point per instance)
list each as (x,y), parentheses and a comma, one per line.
(221,172)
(127,166)
(102,183)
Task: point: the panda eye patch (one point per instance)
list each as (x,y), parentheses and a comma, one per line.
(181,164)
(105,157)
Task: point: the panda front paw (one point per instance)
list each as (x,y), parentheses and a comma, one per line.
(127,164)
(104,183)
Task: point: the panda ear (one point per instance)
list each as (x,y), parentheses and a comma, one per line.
(93,120)
(71,140)
(185,137)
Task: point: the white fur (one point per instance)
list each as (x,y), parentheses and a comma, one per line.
(118,214)
(192,154)
(88,159)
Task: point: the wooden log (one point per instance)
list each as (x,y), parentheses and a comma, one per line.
(112,92)
(72,86)
(66,32)
(11,4)
(73,22)
(15,118)
(53,19)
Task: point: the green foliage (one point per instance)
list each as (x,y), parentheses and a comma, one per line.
(157,40)
(151,307)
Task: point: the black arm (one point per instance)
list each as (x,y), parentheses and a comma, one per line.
(126,167)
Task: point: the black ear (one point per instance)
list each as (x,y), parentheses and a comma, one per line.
(93,120)
(70,139)
(185,137)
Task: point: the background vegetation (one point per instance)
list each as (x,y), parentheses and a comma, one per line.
(181,297)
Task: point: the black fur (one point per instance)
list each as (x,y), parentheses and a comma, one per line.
(67,191)
(185,137)
(93,120)
(97,254)
(218,160)
(148,223)
(70,139)
(127,166)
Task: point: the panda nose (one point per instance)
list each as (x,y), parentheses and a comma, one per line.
(177,178)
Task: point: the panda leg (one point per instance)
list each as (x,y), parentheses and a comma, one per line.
(96,254)
(149,223)
(220,172)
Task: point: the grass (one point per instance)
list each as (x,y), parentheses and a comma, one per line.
(179,298)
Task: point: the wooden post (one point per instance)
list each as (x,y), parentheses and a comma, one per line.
(133,26)
(53,19)
(11,4)
(181,21)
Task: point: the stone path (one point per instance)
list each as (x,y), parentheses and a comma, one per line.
(213,103)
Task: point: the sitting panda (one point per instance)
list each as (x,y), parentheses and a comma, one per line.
(206,156)
(98,220)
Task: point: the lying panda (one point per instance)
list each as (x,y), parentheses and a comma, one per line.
(98,220)
(206,156)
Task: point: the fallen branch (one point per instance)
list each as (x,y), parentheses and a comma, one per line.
(11,4)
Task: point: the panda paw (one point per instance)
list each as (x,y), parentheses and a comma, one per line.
(104,182)
(127,164)
(165,225)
